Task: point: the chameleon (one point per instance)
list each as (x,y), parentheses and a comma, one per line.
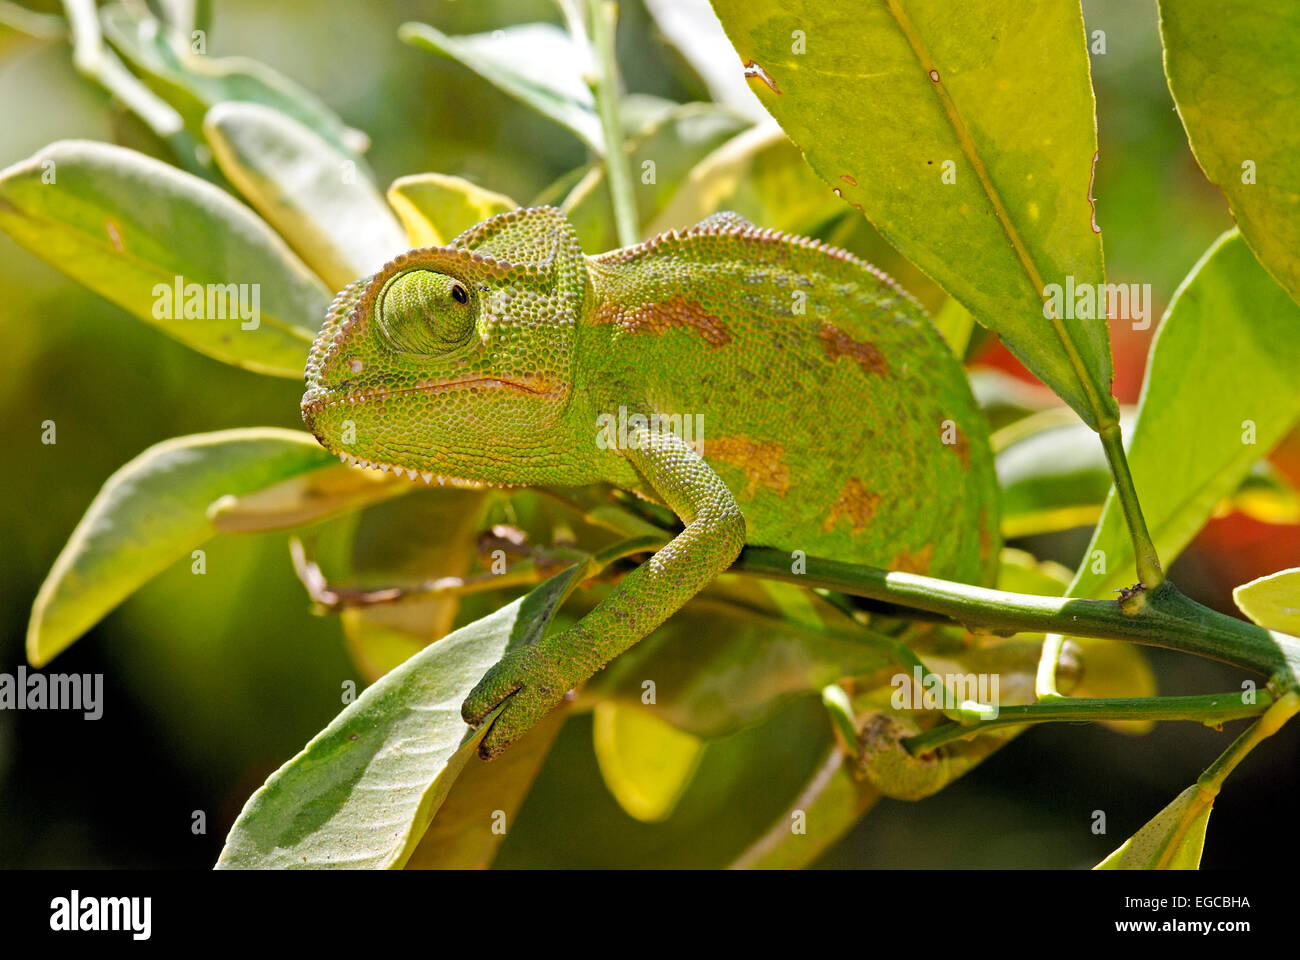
(829,415)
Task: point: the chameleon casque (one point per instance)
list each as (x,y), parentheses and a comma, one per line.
(836,421)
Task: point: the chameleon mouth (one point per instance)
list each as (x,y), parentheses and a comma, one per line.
(317,399)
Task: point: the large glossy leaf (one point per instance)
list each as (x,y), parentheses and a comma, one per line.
(886,98)
(760,175)
(435,208)
(150,513)
(131,228)
(1234,70)
(312,193)
(536,63)
(1223,370)
(193,83)
(1273,601)
(362,793)
(1171,840)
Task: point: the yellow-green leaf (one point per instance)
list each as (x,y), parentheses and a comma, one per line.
(1273,601)
(965,133)
(132,229)
(1234,69)
(435,208)
(150,513)
(1171,840)
(646,762)
(311,192)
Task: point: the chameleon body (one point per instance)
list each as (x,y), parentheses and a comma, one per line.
(828,415)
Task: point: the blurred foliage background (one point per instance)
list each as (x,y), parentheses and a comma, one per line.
(211,682)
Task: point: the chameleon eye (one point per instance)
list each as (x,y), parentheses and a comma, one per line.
(423,312)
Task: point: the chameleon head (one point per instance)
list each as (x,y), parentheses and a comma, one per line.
(451,362)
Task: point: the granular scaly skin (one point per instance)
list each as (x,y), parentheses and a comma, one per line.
(826,415)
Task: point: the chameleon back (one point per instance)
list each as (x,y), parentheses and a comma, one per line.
(827,401)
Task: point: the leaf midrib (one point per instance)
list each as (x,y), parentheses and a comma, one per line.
(967,144)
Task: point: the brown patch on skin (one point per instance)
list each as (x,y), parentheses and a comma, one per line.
(848,179)
(856,503)
(763,462)
(962,445)
(865,354)
(919,562)
(676,311)
(114,236)
(754,71)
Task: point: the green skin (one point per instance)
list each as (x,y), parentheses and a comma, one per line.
(835,420)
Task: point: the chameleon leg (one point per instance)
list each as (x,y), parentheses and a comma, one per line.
(536,678)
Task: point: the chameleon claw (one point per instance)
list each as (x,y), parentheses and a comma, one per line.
(528,686)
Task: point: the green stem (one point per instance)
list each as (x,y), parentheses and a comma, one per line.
(1167,618)
(605,88)
(1207,709)
(1144,551)
(1273,720)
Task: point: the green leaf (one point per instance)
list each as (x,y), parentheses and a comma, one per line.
(435,208)
(536,63)
(1171,840)
(194,83)
(313,194)
(130,228)
(759,174)
(150,513)
(1234,70)
(1273,601)
(996,94)
(956,324)
(664,154)
(362,793)
(646,762)
(1222,370)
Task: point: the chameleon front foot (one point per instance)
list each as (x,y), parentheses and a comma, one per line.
(529,684)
